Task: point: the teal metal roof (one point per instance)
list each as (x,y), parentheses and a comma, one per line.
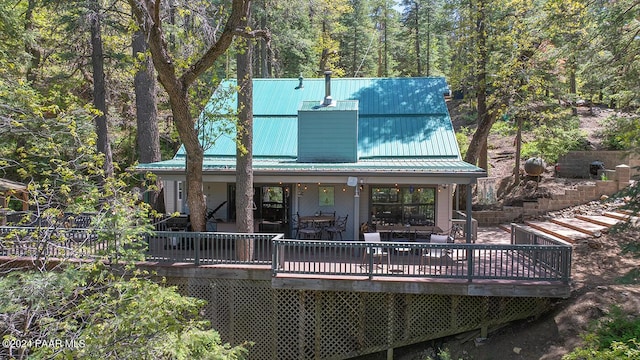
(403,124)
(397,116)
(273,136)
(391,136)
(375,96)
(342,105)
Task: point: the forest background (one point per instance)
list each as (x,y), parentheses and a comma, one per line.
(85,86)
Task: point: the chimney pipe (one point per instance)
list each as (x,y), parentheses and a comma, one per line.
(327,88)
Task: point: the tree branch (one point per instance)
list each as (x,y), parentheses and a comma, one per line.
(258,33)
(239,11)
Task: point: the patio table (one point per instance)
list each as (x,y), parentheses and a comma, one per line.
(320,221)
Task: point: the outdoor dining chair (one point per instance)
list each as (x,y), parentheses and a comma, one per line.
(435,256)
(374,251)
(295,225)
(309,230)
(338,228)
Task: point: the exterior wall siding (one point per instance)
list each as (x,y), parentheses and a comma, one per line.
(327,136)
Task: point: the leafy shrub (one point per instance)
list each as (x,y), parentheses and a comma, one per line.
(462,137)
(617,351)
(503,128)
(614,337)
(621,133)
(552,142)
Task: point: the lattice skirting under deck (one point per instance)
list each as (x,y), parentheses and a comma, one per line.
(302,324)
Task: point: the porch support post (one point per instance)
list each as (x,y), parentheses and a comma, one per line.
(469,214)
(356,213)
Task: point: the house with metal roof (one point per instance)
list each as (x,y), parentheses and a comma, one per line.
(381,150)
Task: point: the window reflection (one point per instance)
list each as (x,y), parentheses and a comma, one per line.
(403,205)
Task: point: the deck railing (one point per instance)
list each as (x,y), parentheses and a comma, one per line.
(202,248)
(402,259)
(539,260)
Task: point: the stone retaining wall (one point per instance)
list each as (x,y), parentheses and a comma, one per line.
(575,164)
(619,179)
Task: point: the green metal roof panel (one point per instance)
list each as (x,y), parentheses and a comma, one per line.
(376,96)
(407,136)
(341,105)
(272,137)
(403,125)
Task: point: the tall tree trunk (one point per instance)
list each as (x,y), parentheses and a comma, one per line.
(516,169)
(354,60)
(417,44)
(99,90)
(177,87)
(485,120)
(148,135)
(265,66)
(428,40)
(386,41)
(324,56)
(244,154)
(573,88)
(30,46)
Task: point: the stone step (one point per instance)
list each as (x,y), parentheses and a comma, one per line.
(558,230)
(616,215)
(607,221)
(583,226)
(634,220)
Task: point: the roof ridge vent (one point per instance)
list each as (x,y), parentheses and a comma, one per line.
(328,100)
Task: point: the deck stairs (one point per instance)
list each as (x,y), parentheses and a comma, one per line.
(578,228)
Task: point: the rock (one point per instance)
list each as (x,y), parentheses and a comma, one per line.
(517,350)
(534,166)
(480,341)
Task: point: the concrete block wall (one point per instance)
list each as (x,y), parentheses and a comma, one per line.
(580,195)
(496,217)
(575,164)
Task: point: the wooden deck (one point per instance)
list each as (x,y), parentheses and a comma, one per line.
(492,266)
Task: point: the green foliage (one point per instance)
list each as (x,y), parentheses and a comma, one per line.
(443,354)
(554,131)
(503,128)
(98,315)
(613,337)
(463,139)
(632,277)
(621,132)
(552,142)
(617,351)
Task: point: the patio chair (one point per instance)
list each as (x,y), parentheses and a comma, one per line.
(374,251)
(328,213)
(338,228)
(435,257)
(309,230)
(295,225)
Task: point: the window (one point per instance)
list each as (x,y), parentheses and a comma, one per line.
(403,205)
(269,202)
